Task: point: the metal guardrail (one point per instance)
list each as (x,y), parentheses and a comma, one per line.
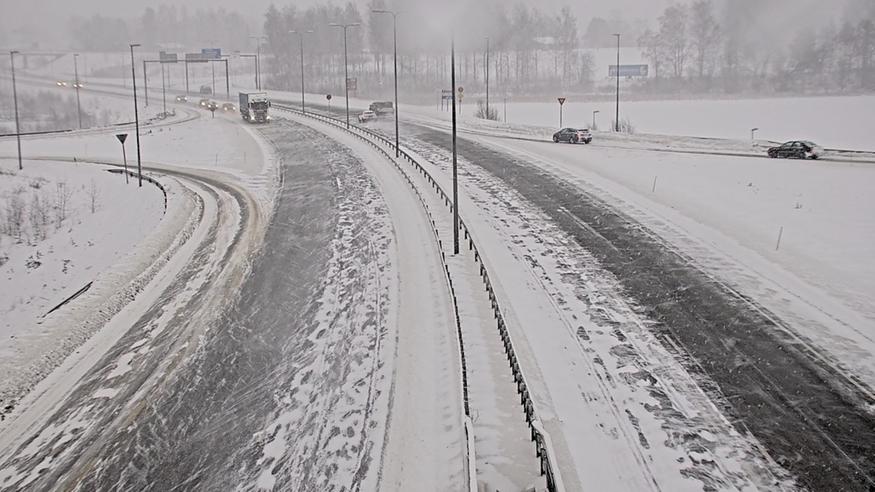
(543,443)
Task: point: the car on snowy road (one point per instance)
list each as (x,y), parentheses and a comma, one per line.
(229,107)
(796,149)
(181,99)
(203,103)
(573,135)
(367,116)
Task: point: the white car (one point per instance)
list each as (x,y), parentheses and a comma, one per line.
(367,116)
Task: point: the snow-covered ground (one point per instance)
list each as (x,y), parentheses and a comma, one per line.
(840,122)
(76,221)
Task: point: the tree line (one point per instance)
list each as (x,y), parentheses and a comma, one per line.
(529,49)
(742,49)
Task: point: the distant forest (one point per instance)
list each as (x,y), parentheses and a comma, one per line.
(700,46)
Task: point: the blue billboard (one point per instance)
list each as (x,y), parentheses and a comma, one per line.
(628,70)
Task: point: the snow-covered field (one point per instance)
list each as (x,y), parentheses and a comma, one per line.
(833,122)
(64,224)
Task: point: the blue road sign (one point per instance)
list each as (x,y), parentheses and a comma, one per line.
(628,70)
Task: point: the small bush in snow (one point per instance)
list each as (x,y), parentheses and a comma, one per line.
(62,202)
(626,126)
(482,113)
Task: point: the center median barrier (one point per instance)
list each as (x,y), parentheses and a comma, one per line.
(543,444)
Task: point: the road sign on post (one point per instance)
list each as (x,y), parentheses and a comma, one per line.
(165,57)
(211,53)
(561,103)
(628,70)
(121,138)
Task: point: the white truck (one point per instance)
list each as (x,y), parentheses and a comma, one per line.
(254,106)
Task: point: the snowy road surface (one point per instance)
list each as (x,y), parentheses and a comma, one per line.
(760,376)
(212,388)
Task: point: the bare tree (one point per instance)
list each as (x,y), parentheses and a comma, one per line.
(704,33)
(93,195)
(673,34)
(62,202)
(39,215)
(14,226)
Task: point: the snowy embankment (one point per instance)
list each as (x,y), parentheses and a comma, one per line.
(120,248)
(797,237)
(69,231)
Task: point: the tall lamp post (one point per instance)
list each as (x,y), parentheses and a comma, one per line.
(455,160)
(395,60)
(345,63)
(617,117)
(301,35)
(76,86)
(258,40)
(15,99)
(136,116)
(487,77)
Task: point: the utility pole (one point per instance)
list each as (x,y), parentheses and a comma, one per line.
(163,91)
(346,64)
(395,61)
(487,77)
(455,160)
(145,83)
(617,117)
(227,80)
(76,85)
(258,40)
(301,36)
(15,99)
(137,114)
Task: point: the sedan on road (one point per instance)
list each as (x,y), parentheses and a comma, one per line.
(367,116)
(573,135)
(181,99)
(796,149)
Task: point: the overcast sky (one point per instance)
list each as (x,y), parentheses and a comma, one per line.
(19,8)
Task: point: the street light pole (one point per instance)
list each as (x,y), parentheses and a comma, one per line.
(258,40)
(301,35)
(15,99)
(487,77)
(617,117)
(395,61)
(455,159)
(136,115)
(346,64)
(164,91)
(76,85)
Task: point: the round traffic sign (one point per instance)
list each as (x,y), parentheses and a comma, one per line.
(461,89)
(328,96)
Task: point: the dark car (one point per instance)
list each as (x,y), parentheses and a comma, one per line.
(796,149)
(229,107)
(573,135)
